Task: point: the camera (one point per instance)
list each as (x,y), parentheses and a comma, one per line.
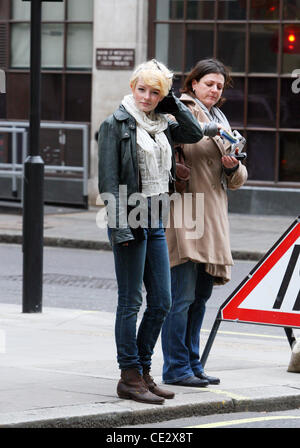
(237,143)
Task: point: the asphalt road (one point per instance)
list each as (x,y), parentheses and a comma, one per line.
(240,420)
(85,279)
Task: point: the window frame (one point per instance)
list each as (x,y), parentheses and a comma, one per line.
(246,75)
(64,71)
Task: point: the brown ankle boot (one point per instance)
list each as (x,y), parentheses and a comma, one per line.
(132,386)
(154,388)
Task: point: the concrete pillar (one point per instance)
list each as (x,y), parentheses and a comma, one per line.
(117,24)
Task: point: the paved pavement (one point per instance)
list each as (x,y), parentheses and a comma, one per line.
(58,367)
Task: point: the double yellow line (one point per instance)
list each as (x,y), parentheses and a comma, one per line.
(245,421)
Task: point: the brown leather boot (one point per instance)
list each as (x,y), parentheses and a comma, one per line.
(154,388)
(132,386)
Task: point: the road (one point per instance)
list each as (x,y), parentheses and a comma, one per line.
(85,279)
(283,419)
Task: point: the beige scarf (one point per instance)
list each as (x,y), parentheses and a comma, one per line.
(155,125)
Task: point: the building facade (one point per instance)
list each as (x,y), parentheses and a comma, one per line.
(89,49)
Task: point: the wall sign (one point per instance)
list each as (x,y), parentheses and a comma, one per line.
(115,58)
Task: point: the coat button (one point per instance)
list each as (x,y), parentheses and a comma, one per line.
(209,162)
(126,134)
(132,126)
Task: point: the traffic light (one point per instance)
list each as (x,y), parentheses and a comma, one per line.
(291,40)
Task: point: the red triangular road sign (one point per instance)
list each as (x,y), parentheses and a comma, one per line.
(270,294)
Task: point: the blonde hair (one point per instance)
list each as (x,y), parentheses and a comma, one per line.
(154,74)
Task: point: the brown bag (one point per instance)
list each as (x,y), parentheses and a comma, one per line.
(183,171)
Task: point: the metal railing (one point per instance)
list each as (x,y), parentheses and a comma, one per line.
(15,169)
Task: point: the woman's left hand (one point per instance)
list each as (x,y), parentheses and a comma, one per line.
(229,162)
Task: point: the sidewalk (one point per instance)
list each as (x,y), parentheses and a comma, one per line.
(58,367)
(251,235)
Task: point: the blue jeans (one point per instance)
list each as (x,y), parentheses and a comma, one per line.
(191,288)
(145,261)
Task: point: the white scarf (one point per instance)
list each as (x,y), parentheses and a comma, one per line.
(153,124)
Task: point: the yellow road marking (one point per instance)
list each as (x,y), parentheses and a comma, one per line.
(224,392)
(245,420)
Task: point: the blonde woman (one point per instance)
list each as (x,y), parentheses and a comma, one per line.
(136,157)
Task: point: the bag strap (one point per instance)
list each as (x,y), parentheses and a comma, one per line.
(179,154)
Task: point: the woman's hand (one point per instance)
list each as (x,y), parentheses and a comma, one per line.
(229,162)
(220,128)
(168,104)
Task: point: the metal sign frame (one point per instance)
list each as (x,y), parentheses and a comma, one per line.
(220,315)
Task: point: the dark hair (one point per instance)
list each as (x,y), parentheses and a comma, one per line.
(204,67)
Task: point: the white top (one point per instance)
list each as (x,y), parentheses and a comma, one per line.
(153,183)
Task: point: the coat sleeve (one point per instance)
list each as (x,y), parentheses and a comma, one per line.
(237,178)
(108,181)
(185,128)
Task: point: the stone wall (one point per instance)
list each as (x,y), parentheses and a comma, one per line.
(117,24)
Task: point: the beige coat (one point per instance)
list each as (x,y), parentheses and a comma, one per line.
(212,246)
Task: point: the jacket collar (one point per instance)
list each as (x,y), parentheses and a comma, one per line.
(186,98)
(121,114)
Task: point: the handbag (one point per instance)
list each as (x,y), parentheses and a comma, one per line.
(183,171)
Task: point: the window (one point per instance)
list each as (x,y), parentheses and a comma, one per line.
(260,41)
(229,10)
(234,105)
(20,45)
(261,155)
(80,46)
(262,102)
(289,169)
(199,10)
(263,48)
(231,46)
(170,9)
(52,46)
(196,35)
(67,48)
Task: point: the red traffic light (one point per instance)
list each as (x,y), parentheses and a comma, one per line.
(290,40)
(291,37)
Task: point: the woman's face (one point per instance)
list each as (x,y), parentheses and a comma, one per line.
(209,88)
(146,97)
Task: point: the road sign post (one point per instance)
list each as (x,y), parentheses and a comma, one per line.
(270,294)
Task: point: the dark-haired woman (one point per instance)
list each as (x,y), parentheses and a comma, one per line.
(199,263)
